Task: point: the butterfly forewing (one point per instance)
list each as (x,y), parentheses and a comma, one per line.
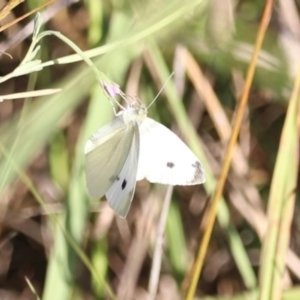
(165,159)
(120,194)
(106,152)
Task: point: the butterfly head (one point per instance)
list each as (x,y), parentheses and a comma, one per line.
(137,111)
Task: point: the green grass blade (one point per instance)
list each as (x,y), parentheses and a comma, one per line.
(281,202)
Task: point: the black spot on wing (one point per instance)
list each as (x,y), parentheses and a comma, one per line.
(170,165)
(198,174)
(124,183)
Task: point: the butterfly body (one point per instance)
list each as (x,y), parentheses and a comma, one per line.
(133,147)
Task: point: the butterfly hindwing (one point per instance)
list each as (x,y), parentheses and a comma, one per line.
(106,152)
(120,194)
(165,159)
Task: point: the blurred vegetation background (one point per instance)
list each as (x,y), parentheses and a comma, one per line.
(56,243)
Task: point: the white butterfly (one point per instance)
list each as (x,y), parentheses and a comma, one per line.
(133,147)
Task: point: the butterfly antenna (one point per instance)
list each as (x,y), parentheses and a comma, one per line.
(160,91)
